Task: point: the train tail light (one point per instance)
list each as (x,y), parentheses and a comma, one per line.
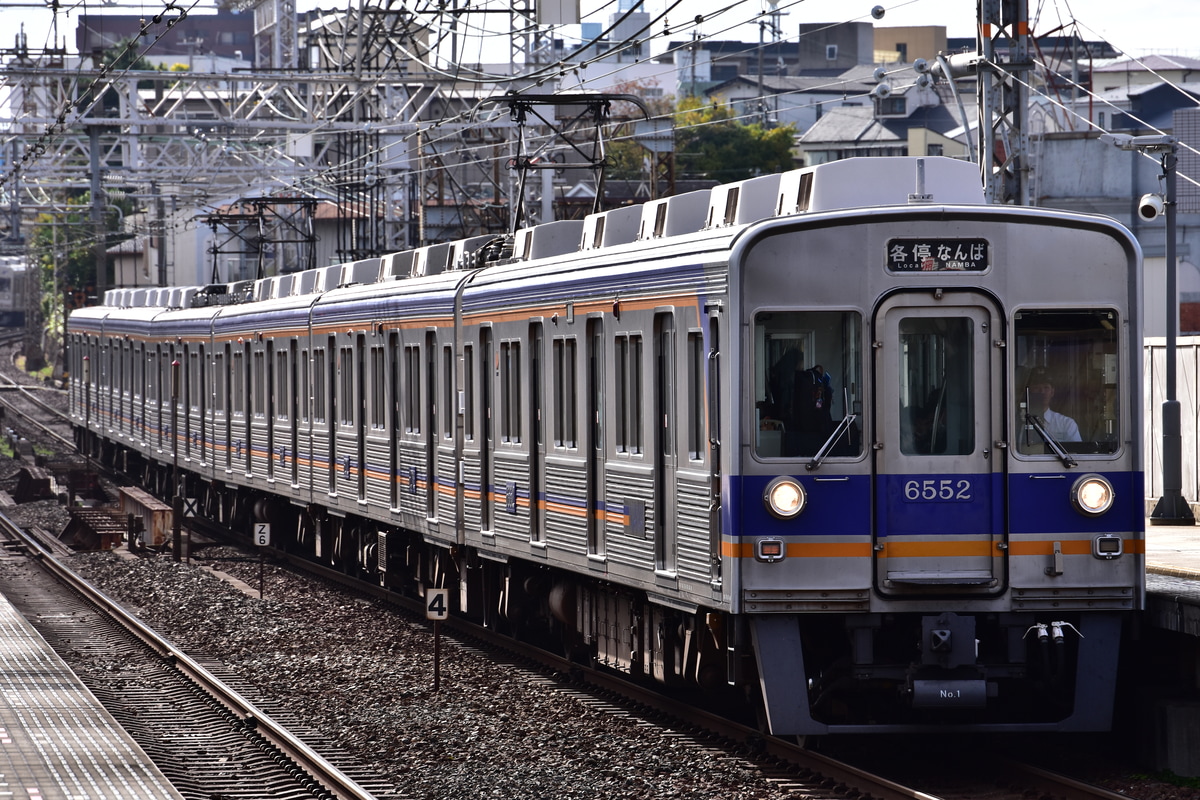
(770,550)
(1108,546)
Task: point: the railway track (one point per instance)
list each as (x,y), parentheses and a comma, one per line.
(26,410)
(210,739)
(789,764)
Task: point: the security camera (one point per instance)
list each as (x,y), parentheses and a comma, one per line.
(878,11)
(1150,206)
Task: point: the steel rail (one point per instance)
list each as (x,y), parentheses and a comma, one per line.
(328,775)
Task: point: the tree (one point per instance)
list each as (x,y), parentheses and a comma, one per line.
(710,143)
(626,157)
(63,263)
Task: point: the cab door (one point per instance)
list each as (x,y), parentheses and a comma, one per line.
(938,472)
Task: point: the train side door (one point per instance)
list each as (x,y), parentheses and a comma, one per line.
(429,401)
(268,383)
(594,443)
(537,436)
(938,478)
(487,442)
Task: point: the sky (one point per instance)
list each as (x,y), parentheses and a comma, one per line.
(1171,27)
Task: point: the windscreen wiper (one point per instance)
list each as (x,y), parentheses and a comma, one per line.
(838,432)
(1032,421)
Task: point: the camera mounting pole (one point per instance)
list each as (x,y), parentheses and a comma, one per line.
(1172,508)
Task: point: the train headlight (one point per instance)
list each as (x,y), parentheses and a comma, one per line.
(785,497)
(1092,495)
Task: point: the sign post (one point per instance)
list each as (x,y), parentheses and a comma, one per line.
(262,538)
(437,608)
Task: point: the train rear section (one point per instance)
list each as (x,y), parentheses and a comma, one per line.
(941,507)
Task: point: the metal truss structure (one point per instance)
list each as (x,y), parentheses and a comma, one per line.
(349,115)
(368,109)
(1004,70)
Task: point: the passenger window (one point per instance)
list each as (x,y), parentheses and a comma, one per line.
(807,383)
(1067,381)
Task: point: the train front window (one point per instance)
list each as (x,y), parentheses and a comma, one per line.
(1066,382)
(807,383)
(936,397)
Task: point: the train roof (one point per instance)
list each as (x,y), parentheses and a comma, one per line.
(14,263)
(712,215)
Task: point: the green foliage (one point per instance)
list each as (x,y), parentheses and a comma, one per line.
(1169,777)
(626,158)
(709,143)
(61,248)
(65,239)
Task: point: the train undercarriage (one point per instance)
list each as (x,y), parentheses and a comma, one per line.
(818,673)
(590,621)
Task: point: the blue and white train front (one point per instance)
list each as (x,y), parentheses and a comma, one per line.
(937,515)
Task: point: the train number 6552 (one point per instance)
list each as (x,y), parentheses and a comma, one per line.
(932,489)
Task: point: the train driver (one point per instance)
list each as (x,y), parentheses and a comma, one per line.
(1041,393)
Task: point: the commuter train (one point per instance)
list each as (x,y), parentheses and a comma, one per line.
(13,276)
(846,443)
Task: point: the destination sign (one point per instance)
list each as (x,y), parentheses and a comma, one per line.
(937,255)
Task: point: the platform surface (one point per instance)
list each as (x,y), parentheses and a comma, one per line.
(1173,549)
(56,741)
(1173,578)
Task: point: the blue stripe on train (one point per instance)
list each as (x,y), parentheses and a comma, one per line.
(840,504)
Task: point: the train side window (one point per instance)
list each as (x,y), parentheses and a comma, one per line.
(412,389)
(510,392)
(304,385)
(258,388)
(565,412)
(155,383)
(697,444)
(448,392)
(627,364)
(193,381)
(318,385)
(121,356)
(378,389)
(282,392)
(138,372)
(218,382)
(807,379)
(1066,381)
(346,386)
(468,392)
(239,382)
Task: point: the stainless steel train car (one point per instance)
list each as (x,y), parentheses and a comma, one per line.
(846,443)
(14,273)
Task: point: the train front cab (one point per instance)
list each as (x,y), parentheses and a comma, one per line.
(931,549)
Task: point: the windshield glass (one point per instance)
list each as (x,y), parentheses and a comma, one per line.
(1066,381)
(936,394)
(807,378)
